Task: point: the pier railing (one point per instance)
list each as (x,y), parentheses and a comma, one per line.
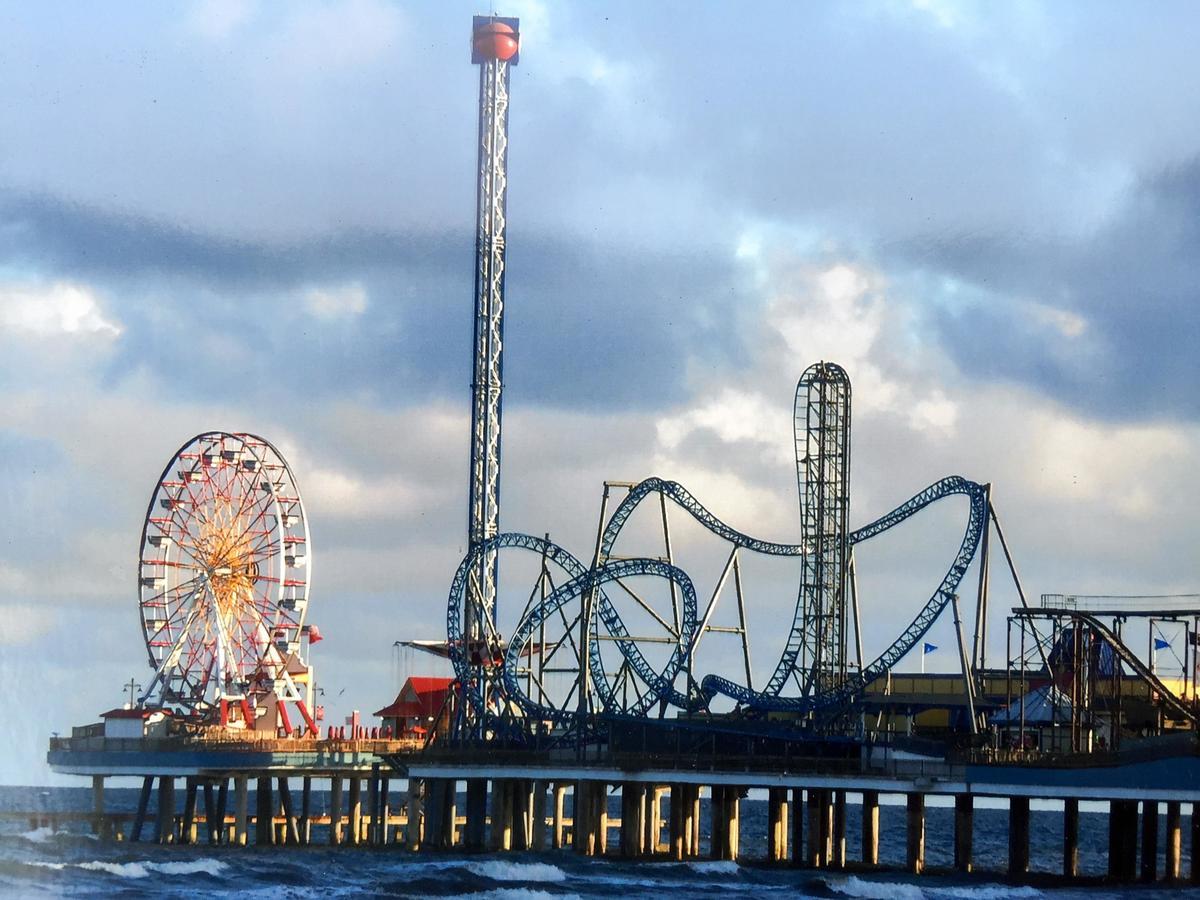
(237,744)
(1148,750)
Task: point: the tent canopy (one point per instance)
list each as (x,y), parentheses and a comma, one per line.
(1046,705)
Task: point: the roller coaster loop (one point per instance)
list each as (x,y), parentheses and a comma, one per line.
(659,686)
(713,685)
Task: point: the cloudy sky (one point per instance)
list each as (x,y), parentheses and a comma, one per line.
(250,216)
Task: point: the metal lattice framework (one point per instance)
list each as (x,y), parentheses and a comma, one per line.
(477,666)
(487,381)
(223,578)
(817,641)
(494,675)
(555,634)
(713,685)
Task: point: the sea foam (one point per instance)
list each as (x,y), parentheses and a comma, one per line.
(142,868)
(874,890)
(39,835)
(985,892)
(520,894)
(501,870)
(892,890)
(715,867)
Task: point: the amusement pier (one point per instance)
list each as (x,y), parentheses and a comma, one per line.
(605,701)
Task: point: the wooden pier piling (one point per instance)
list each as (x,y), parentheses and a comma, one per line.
(1122,840)
(166,810)
(820,828)
(964,832)
(777,825)
(1070,866)
(837,836)
(189,831)
(522,808)
(539,839)
(385,811)
(1149,840)
(693,814)
(264,833)
(374,836)
(726,805)
(222,810)
(355,812)
(212,825)
(415,809)
(335,810)
(870,828)
(914,834)
(439,808)
(98,821)
(475,830)
(1174,844)
(241,805)
(796,814)
(291,825)
(676,820)
(654,819)
(1018,837)
(135,834)
(305,825)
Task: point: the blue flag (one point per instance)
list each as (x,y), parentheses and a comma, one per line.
(929,648)
(1160,644)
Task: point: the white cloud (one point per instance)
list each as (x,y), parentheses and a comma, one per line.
(54,310)
(1073,460)
(348,495)
(322,36)
(535,21)
(946,14)
(1067,323)
(343,301)
(22,623)
(732,415)
(217,19)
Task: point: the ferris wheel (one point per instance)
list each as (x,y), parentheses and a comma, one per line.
(223,579)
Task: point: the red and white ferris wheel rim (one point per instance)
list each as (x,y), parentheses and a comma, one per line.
(224,570)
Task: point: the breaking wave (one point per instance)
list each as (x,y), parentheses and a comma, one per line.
(501,870)
(142,868)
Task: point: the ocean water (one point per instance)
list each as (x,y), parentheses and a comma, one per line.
(39,861)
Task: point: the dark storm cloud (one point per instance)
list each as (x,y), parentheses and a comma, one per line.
(1135,282)
(587,325)
(89,242)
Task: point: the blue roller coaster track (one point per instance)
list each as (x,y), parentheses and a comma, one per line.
(474,665)
(659,685)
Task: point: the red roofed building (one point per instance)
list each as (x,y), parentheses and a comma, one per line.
(417,706)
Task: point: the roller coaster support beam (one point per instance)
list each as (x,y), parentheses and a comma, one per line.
(968,678)
(852,573)
(979,656)
(1012,566)
(585,620)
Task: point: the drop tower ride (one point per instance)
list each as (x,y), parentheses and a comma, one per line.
(494,48)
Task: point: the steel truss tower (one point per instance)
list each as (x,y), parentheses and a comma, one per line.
(822,426)
(494,50)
